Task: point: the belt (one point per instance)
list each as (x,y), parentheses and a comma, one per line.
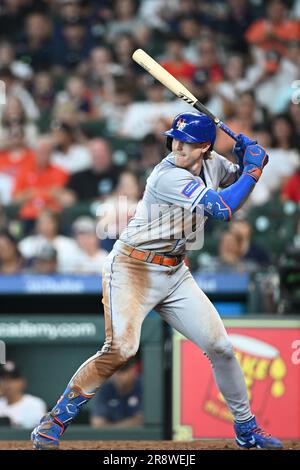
(150,256)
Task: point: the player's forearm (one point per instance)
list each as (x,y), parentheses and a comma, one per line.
(222,205)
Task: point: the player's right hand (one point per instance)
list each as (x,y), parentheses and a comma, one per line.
(255,159)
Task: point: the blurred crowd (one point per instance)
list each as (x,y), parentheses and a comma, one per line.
(118,403)
(82,123)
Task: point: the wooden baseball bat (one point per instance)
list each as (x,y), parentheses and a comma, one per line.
(157,71)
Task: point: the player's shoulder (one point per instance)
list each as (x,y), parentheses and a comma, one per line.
(170,178)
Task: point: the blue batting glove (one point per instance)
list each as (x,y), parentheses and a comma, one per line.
(241,144)
(239,148)
(255,159)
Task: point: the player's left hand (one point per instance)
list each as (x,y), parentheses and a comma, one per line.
(255,159)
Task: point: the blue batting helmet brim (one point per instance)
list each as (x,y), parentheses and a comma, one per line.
(180,135)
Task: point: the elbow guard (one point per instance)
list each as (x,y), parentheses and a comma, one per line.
(214,206)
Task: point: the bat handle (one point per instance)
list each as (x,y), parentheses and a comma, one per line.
(200,107)
(226,129)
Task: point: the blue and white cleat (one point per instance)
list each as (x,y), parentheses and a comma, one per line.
(46,435)
(249,435)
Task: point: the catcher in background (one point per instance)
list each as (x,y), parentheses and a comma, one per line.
(145,271)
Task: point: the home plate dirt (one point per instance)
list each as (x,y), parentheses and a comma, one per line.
(141,445)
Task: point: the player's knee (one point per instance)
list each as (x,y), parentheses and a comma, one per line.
(126,350)
(221,348)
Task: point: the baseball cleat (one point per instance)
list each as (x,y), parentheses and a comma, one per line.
(249,435)
(52,426)
(46,435)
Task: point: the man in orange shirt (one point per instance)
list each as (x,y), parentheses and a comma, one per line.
(38,187)
(274,32)
(13,161)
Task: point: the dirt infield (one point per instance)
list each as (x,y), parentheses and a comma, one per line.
(140,445)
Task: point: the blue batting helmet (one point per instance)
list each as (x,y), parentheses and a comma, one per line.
(192,128)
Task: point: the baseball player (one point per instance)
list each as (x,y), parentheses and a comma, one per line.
(145,271)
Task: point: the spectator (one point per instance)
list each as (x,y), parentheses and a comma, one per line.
(270,72)
(72,45)
(154,107)
(189,30)
(10,259)
(275,31)
(123,48)
(14,160)
(13,87)
(69,155)
(284,160)
(118,403)
(99,71)
(8,60)
(43,91)
(240,16)
(101,65)
(157,13)
(236,80)
(69,10)
(291,188)
(77,92)
(20,409)
(117,209)
(150,152)
(95,182)
(246,116)
(36,46)
(45,260)
(114,108)
(230,254)
(91,257)
(14,116)
(39,186)
(47,232)
(125,21)
(12,19)
(249,250)
(209,59)
(294,113)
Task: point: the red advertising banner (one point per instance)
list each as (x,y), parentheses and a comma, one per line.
(270,361)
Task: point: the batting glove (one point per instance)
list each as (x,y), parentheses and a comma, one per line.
(241,144)
(255,159)
(239,148)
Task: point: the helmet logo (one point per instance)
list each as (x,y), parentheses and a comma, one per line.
(181,124)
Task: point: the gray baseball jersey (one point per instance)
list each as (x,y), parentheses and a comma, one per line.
(170,196)
(132,288)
